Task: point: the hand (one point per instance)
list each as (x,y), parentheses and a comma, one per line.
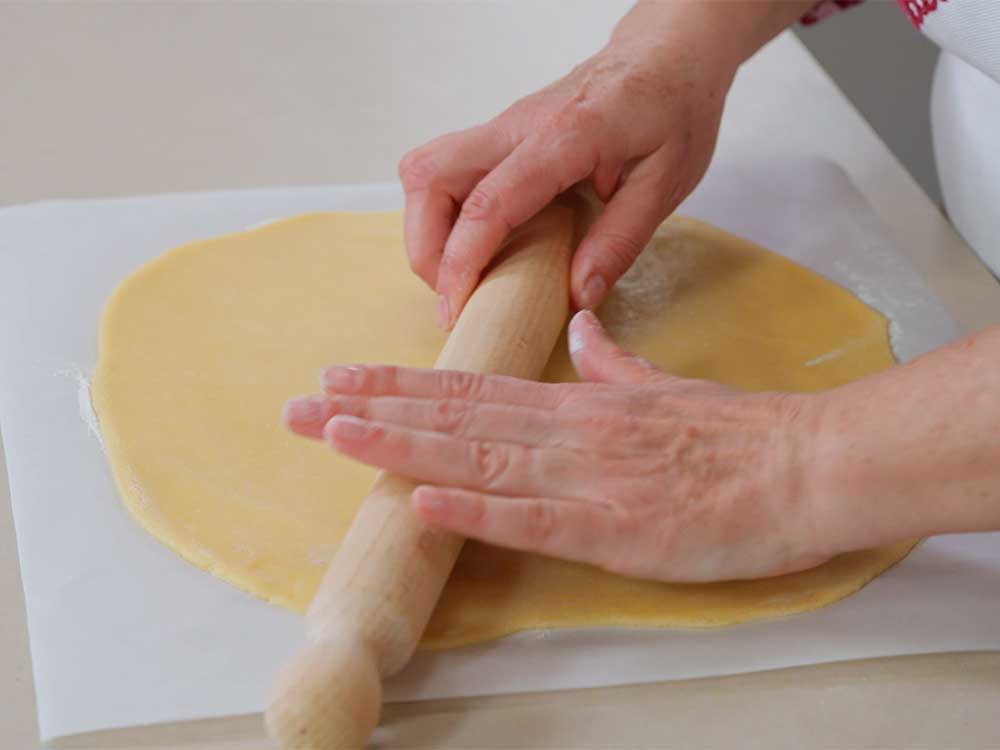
(637,472)
(638,121)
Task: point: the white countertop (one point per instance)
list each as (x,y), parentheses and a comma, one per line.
(114,99)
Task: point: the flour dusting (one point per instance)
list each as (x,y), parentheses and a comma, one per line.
(832,354)
(85,405)
(260,224)
(87,413)
(840,351)
(902,297)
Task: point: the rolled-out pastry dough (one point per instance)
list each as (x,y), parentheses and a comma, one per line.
(200,348)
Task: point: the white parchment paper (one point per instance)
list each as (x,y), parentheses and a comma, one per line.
(123,632)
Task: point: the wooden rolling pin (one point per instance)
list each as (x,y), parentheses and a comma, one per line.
(378,594)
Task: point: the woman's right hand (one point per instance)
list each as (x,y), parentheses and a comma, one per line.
(638,120)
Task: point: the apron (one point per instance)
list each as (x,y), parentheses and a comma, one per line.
(965,123)
(965,115)
(965,110)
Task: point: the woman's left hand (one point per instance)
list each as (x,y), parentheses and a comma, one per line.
(635,471)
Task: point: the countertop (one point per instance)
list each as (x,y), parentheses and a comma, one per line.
(103,99)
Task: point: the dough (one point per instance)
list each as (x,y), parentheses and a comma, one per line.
(200,349)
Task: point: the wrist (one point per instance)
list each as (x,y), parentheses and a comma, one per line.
(805,502)
(910,452)
(725,32)
(850,508)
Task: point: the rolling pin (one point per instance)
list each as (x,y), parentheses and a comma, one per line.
(376,597)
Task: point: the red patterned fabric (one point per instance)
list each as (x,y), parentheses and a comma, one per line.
(917,10)
(826,8)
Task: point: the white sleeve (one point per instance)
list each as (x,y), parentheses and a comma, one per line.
(969,29)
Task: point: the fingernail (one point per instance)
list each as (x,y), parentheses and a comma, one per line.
(305,409)
(443,312)
(593,291)
(575,342)
(342,379)
(349,428)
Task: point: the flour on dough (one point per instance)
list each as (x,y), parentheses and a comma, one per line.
(200,348)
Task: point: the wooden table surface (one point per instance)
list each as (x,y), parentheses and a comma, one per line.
(104,99)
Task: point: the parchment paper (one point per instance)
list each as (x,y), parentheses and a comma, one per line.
(123,632)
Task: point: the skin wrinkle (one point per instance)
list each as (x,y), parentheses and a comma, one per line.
(493,462)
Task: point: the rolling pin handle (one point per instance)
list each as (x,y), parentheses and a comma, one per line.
(334,692)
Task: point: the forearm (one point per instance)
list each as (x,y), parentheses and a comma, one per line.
(732,30)
(914,451)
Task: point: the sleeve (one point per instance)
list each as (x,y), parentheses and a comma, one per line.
(969,29)
(824,9)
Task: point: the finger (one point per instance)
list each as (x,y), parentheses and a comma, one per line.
(491,466)
(568,529)
(388,380)
(307,415)
(523,184)
(427,222)
(605,179)
(619,234)
(598,358)
(462,418)
(436,178)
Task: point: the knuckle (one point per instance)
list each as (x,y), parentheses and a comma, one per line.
(479,516)
(451,415)
(618,250)
(579,126)
(456,384)
(574,116)
(423,262)
(456,267)
(483,204)
(376,435)
(492,462)
(589,120)
(422,266)
(417,169)
(382,378)
(541,523)
(676,190)
(357,379)
(574,140)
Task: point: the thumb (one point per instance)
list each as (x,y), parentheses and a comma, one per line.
(599,359)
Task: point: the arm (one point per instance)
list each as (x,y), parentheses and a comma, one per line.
(735,29)
(914,451)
